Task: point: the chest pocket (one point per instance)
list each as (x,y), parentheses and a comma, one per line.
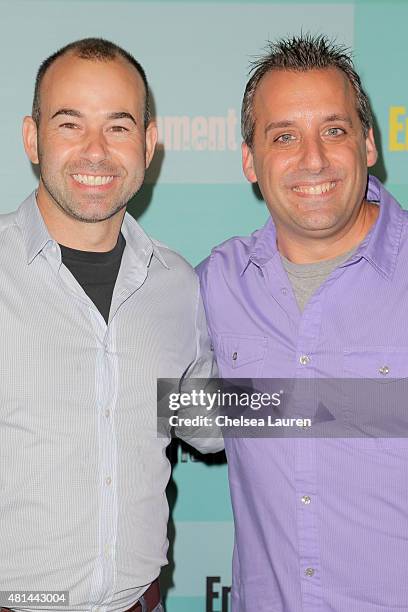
(376,399)
(240,356)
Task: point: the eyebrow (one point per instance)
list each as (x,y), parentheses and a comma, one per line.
(122,115)
(71,112)
(273,125)
(67,111)
(343,118)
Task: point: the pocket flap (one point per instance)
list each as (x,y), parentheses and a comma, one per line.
(381,363)
(241,350)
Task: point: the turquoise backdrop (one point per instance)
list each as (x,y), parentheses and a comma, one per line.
(196,55)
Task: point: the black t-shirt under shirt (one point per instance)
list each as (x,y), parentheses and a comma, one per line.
(96,272)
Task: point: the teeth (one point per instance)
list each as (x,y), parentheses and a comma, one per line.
(315,189)
(90,179)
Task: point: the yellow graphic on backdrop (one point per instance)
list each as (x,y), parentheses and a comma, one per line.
(398,129)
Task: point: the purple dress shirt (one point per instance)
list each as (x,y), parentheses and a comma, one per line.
(321,525)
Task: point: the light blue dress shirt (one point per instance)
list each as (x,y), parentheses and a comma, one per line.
(82,471)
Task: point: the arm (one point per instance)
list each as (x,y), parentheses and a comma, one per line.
(204,367)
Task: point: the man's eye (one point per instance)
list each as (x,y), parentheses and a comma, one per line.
(334,131)
(69,126)
(285,138)
(118,128)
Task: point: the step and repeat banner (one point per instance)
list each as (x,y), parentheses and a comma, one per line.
(196,55)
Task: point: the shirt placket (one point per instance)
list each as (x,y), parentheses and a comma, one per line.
(307,493)
(103,580)
(106,390)
(305,474)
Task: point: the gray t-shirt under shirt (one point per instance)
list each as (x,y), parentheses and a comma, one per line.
(307,278)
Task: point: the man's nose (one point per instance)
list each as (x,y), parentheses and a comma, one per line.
(313,155)
(95,147)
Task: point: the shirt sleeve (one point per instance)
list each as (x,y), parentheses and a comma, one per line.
(208,438)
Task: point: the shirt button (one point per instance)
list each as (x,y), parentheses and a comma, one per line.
(309,571)
(384,370)
(107,413)
(284,291)
(108,480)
(306,499)
(304,359)
(235,356)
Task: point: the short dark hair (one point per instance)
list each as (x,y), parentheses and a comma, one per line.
(97,49)
(300,54)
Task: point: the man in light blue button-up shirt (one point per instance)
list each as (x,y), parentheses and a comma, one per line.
(92,312)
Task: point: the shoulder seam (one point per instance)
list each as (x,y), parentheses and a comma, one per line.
(13,223)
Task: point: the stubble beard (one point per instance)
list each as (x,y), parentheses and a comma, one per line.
(73,207)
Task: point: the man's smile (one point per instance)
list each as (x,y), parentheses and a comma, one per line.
(316,189)
(92,180)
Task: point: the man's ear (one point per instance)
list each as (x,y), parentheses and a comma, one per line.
(371,149)
(248,163)
(30,139)
(151,140)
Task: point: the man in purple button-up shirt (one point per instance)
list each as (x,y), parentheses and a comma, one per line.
(320,291)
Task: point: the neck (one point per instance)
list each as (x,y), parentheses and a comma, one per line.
(304,249)
(101,236)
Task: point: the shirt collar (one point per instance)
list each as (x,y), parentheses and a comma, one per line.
(36,236)
(34,231)
(380,247)
(140,243)
(382,244)
(262,246)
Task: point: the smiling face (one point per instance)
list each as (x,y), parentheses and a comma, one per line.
(309,154)
(91,143)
